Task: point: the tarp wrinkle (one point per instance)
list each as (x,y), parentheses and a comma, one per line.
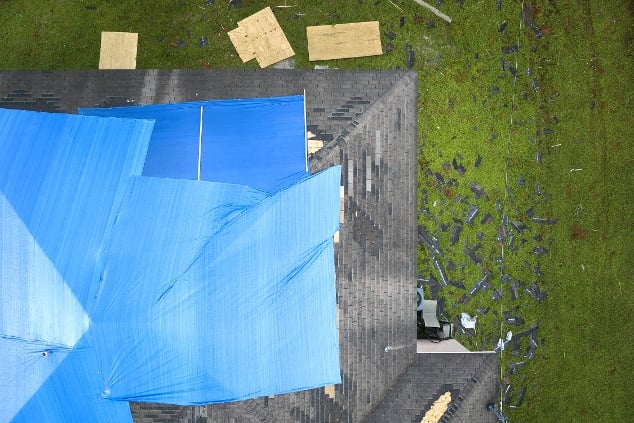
(123,278)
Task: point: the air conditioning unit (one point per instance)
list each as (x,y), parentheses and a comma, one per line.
(420,294)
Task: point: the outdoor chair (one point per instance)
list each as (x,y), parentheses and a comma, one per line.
(432,327)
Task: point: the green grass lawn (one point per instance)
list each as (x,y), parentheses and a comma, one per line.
(569,107)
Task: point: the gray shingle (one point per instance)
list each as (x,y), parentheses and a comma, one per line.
(368,120)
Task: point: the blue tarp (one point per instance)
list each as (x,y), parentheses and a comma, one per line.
(118,287)
(259,142)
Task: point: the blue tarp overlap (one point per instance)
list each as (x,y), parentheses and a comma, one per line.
(259,142)
(117,286)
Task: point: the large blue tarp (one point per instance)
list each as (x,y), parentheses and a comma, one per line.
(259,142)
(119,287)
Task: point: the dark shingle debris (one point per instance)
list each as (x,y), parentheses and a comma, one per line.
(483,283)
(531,333)
(469,333)
(203,41)
(401,21)
(544,221)
(510,49)
(503,26)
(471,253)
(520,398)
(476,189)
(450,265)
(506,393)
(235,3)
(538,157)
(502,233)
(515,290)
(457,284)
(471,214)
(439,178)
(511,319)
(514,367)
(455,232)
(430,242)
(518,226)
(410,59)
(527,17)
(497,295)
(486,219)
(478,161)
(508,67)
(511,243)
(530,352)
(444,281)
(458,167)
(534,85)
(209,3)
(390,35)
(482,310)
(537,294)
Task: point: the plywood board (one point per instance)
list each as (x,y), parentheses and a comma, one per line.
(118,50)
(314,146)
(261,36)
(342,41)
(329,390)
(243,45)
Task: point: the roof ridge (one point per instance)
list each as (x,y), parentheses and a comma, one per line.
(322,157)
(467,391)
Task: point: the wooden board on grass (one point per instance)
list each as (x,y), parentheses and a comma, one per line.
(243,45)
(118,50)
(342,41)
(261,36)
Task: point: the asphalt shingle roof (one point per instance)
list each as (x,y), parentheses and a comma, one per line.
(368,121)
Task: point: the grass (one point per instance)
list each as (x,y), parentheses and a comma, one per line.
(578,116)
